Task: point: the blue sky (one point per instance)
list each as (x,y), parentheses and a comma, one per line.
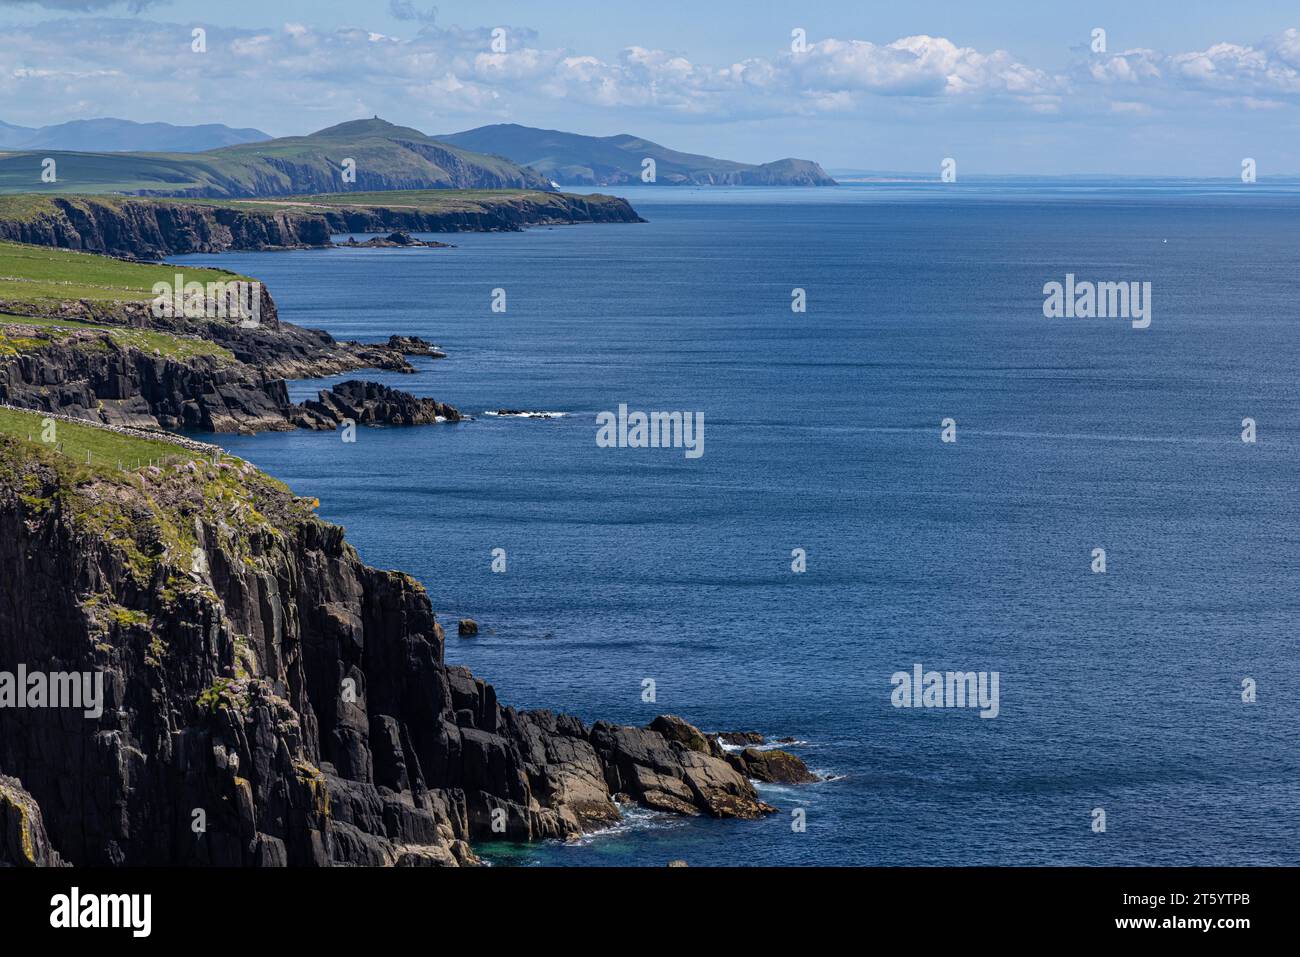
(1184,88)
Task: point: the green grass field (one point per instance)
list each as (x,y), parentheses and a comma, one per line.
(74,441)
(45,274)
(101,172)
(13,341)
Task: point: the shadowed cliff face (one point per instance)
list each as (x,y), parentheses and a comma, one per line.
(152,230)
(259,678)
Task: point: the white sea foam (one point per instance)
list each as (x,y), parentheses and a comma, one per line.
(634,818)
(769,746)
(525,415)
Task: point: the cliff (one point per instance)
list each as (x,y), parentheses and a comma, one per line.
(115,363)
(269,699)
(154,228)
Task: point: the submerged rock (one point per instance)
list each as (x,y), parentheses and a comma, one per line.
(525,414)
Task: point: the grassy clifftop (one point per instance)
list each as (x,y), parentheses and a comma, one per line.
(36,281)
(20,335)
(87,451)
(39,274)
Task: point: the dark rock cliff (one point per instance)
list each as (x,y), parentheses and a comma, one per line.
(269,698)
(154,229)
(93,374)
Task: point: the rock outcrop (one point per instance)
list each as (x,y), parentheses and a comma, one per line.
(234,383)
(772,767)
(269,699)
(370,403)
(397,240)
(415,346)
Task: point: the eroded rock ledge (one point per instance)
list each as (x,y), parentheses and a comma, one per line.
(295,696)
(369,403)
(231,379)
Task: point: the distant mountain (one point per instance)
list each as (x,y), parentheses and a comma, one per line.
(573,159)
(13,136)
(115,136)
(386,157)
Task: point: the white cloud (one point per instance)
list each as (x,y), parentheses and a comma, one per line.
(1268,69)
(296,70)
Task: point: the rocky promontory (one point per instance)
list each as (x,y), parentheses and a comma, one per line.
(117,363)
(268,698)
(369,403)
(154,228)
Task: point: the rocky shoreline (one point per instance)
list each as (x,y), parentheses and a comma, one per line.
(88,374)
(153,229)
(269,699)
(291,698)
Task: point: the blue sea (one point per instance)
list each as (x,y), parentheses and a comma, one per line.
(1120,691)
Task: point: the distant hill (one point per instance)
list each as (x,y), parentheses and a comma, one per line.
(573,159)
(387,157)
(114,136)
(12,136)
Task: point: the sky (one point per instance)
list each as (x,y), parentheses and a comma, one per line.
(1184,88)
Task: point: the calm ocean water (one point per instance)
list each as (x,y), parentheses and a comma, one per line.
(1120,691)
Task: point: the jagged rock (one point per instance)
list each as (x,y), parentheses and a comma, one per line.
(687,735)
(295,695)
(369,403)
(667,775)
(780,767)
(415,346)
(466,628)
